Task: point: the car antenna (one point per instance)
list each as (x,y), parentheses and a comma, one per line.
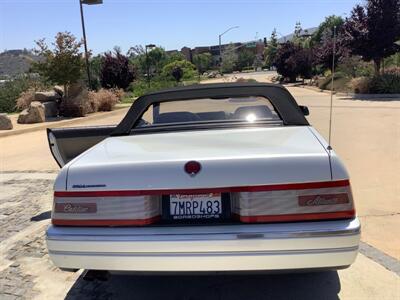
(332,90)
(331,104)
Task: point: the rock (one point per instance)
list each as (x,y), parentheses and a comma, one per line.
(59,90)
(77,106)
(50,109)
(75,89)
(33,114)
(5,122)
(46,96)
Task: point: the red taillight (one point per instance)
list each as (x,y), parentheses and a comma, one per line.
(310,201)
(80,209)
(250,204)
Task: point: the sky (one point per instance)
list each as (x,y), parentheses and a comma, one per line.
(171,24)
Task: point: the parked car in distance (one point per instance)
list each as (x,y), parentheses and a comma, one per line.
(217,177)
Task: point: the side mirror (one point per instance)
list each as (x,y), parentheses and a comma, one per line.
(304,110)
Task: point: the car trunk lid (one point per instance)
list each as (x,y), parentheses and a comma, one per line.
(228,158)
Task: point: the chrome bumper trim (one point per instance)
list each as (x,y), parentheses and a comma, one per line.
(97,234)
(205,254)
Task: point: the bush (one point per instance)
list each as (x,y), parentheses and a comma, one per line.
(103,100)
(25,99)
(9,93)
(141,87)
(325,83)
(119,93)
(360,85)
(250,80)
(387,83)
(189,70)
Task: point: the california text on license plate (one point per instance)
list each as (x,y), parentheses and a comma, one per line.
(200,206)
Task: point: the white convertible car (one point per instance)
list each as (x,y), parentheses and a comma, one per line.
(221,177)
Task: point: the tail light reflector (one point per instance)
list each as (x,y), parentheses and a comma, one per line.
(310,201)
(70,210)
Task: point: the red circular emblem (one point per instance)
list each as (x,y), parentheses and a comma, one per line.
(192,167)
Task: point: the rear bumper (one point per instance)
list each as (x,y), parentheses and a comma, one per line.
(261,247)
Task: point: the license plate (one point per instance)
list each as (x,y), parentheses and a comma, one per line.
(193,207)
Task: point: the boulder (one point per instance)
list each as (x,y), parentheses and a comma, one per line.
(5,122)
(33,114)
(76,106)
(59,90)
(46,96)
(75,89)
(50,109)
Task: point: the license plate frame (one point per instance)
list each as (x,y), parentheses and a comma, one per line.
(223,217)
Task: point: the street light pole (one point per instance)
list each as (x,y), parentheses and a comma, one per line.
(85,44)
(220,46)
(89,2)
(147,63)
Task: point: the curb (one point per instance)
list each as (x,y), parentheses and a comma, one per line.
(61,123)
(376,97)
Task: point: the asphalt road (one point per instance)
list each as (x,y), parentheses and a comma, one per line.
(366,134)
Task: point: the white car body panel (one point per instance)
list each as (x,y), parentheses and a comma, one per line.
(155,161)
(229,158)
(207,248)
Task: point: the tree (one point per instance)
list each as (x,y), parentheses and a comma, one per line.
(116,72)
(372,30)
(95,64)
(293,60)
(323,52)
(157,59)
(64,63)
(202,61)
(229,59)
(271,49)
(245,59)
(326,27)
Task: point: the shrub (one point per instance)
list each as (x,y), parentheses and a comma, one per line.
(387,83)
(103,100)
(25,99)
(241,79)
(9,92)
(360,85)
(119,93)
(177,73)
(324,82)
(116,72)
(141,87)
(188,69)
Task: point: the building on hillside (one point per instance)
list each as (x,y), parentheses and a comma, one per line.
(256,46)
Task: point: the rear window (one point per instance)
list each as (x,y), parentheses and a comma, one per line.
(207,110)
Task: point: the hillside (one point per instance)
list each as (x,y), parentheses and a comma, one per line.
(14,62)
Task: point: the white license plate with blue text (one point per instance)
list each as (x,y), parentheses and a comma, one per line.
(192,207)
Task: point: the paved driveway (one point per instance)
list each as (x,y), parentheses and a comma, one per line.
(366,136)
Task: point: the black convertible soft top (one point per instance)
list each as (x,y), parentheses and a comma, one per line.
(279,96)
